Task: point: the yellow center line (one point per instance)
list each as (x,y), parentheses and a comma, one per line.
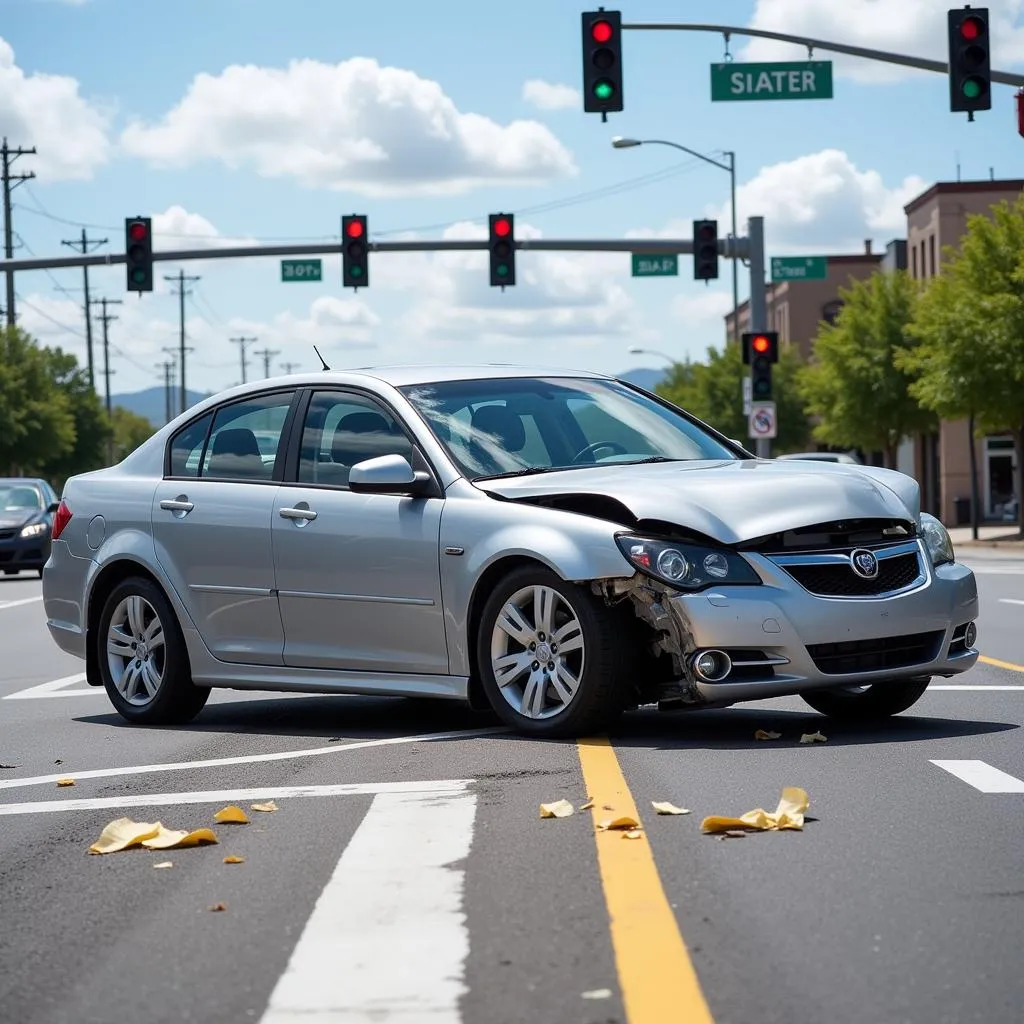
(1001,664)
(656,975)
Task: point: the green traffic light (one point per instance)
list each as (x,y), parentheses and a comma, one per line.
(356,271)
(972,88)
(604,90)
(138,275)
(501,270)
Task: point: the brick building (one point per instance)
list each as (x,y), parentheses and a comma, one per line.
(940,461)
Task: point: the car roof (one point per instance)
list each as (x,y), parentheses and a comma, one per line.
(21,481)
(404,375)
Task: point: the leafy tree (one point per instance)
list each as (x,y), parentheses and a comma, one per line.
(130,430)
(713,392)
(853,384)
(36,419)
(970,329)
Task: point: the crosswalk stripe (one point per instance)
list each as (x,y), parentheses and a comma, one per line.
(387,939)
(982,776)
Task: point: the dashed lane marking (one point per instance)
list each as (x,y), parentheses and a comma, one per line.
(218,762)
(1010,600)
(982,776)
(19,602)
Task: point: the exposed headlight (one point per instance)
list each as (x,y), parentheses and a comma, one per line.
(34,530)
(687,566)
(936,539)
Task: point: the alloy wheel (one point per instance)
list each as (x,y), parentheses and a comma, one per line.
(135,650)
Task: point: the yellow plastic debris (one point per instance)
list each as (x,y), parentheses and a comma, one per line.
(664,807)
(623,823)
(559,809)
(167,839)
(232,859)
(65,782)
(231,814)
(764,734)
(813,737)
(164,864)
(122,833)
(268,806)
(788,815)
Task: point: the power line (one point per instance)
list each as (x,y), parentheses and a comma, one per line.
(10,183)
(266,354)
(182,291)
(82,246)
(241,343)
(105,319)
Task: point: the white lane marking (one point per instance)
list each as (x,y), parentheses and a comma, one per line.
(1010,600)
(982,776)
(965,686)
(216,762)
(995,571)
(20,602)
(387,939)
(56,688)
(216,796)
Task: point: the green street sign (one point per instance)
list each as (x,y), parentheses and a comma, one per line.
(799,268)
(790,80)
(655,266)
(301,270)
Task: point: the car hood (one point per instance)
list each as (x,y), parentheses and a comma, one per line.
(730,501)
(14,520)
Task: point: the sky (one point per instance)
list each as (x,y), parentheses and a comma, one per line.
(245,121)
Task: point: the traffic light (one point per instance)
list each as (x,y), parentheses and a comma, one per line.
(760,351)
(502,249)
(970,71)
(705,250)
(138,248)
(355,258)
(602,62)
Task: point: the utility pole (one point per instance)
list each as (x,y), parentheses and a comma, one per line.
(105,319)
(82,246)
(266,355)
(168,366)
(288,367)
(241,343)
(181,279)
(10,183)
(758,300)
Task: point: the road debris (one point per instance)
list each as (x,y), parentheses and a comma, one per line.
(219,906)
(123,833)
(620,824)
(633,833)
(10,765)
(664,807)
(559,809)
(588,804)
(232,859)
(788,815)
(231,815)
(813,737)
(597,993)
(164,864)
(268,806)
(764,734)
(65,782)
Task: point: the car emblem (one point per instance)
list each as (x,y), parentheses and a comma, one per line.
(864,564)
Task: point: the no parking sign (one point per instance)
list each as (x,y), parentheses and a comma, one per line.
(762,422)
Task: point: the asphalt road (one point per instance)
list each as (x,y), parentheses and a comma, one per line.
(421,884)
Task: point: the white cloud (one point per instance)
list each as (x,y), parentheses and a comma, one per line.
(702,307)
(550,96)
(357,126)
(47,112)
(176,228)
(914,27)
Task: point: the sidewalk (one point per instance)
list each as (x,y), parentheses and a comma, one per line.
(1003,538)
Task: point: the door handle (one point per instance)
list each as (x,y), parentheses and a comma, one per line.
(298,513)
(176,505)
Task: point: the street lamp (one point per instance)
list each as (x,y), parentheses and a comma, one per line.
(621,143)
(634,350)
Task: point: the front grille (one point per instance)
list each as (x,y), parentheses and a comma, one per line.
(891,652)
(839,579)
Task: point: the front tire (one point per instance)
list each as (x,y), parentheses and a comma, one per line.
(142,658)
(552,661)
(880,700)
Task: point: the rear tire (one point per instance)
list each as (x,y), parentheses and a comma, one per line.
(573,680)
(880,700)
(142,658)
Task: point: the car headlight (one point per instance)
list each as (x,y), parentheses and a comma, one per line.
(34,530)
(686,566)
(936,539)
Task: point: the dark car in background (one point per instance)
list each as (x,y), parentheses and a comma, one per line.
(27,506)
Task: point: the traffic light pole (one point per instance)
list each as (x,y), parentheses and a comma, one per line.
(758,298)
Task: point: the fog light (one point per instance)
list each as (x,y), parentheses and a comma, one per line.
(712,666)
(970,634)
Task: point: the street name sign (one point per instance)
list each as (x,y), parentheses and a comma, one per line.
(799,268)
(301,270)
(655,266)
(791,80)
(762,424)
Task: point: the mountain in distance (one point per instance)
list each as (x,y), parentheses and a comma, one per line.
(151,402)
(643,377)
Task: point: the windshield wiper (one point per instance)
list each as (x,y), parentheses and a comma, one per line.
(653,458)
(528,471)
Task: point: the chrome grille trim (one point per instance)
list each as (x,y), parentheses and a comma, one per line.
(841,559)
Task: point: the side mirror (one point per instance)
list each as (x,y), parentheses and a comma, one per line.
(52,507)
(387,474)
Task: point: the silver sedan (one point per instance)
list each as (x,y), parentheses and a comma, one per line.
(556,546)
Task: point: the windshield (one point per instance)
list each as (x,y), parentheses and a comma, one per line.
(535,424)
(20,498)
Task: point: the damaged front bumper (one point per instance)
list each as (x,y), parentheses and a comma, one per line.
(734,644)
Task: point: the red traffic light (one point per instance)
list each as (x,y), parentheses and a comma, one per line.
(354,228)
(971,28)
(137,232)
(502,227)
(601,31)
(760,343)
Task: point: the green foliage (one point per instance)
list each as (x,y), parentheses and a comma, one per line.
(130,430)
(854,384)
(713,392)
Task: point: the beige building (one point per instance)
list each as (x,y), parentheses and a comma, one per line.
(941,461)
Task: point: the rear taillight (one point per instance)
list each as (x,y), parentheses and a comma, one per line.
(61,518)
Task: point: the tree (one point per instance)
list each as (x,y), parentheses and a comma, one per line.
(36,420)
(969,324)
(130,430)
(713,392)
(853,384)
